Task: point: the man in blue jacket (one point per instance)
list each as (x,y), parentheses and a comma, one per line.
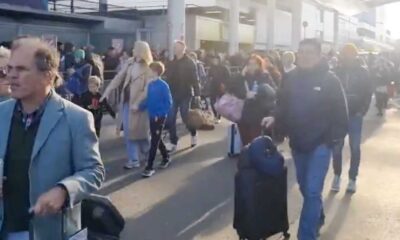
(48,146)
(358,87)
(158,104)
(312,112)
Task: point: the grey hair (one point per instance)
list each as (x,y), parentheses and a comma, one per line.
(4,52)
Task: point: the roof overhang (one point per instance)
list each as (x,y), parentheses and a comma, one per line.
(18,12)
(351,7)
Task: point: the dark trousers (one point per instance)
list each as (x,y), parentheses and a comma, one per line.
(183,106)
(381,101)
(156,128)
(213,101)
(97,126)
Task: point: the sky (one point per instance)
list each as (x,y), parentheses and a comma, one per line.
(393,19)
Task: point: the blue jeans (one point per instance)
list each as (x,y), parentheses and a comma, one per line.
(311,170)
(355,130)
(183,107)
(137,149)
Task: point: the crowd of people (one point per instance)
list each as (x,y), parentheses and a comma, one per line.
(314,100)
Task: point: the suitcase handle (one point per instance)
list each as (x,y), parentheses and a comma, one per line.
(32,216)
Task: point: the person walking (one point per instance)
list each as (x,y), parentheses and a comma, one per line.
(5,90)
(183,80)
(312,112)
(78,81)
(218,76)
(254,77)
(48,146)
(90,101)
(288,63)
(158,104)
(134,78)
(358,88)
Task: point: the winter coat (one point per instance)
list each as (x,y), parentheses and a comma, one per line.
(182,79)
(218,77)
(137,82)
(311,109)
(357,85)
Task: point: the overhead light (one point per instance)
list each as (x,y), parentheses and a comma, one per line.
(213,12)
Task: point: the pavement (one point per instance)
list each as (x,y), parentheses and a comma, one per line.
(193,199)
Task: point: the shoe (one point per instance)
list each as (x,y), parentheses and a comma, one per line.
(217,121)
(352,187)
(171,147)
(165,164)
(194,141)
(336,184)
(148,173)
(131,165)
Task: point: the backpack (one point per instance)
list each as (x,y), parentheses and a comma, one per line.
(75,83)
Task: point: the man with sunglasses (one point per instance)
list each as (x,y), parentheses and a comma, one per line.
(4,84)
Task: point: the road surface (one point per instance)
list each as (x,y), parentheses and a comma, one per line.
(193,199)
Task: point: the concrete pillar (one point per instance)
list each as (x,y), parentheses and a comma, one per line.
(336,30)
(234,16)
(260,38)
(103,6)
(297,9)
(271,8)
(176,23)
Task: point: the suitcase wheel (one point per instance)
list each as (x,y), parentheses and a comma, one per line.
(286,235)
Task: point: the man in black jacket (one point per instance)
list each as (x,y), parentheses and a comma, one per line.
(218,76)
(184,84)
(358,87)
(312,112)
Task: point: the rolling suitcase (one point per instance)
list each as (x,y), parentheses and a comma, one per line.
(260,202)
(234,141)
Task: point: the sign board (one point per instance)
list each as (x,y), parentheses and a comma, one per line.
(51,39)
(117,44)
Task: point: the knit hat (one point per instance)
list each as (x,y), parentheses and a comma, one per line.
(79,54)
(349,50)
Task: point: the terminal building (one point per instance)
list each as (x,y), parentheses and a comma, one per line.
(223,25)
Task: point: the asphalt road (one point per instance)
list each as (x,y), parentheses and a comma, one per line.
(193,199)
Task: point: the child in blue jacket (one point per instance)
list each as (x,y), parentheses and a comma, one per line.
(158,105)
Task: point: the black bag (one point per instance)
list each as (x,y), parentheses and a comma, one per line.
(260,202)
(101,218)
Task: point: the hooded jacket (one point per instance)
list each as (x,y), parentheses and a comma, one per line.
(312,108)
(357,85)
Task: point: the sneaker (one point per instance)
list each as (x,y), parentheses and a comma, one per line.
(148,173)
(131,165)
(336,184)
(165,164)
(352,187)
(194,141)
(217,121)
(171,147)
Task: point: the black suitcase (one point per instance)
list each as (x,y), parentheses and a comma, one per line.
(101,218)
(260,203)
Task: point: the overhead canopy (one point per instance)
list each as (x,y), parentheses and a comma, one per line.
(351,7)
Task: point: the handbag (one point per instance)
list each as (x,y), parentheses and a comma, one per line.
(199,118)
(230,107)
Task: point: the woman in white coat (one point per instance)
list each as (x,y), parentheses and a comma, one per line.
(134,78)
